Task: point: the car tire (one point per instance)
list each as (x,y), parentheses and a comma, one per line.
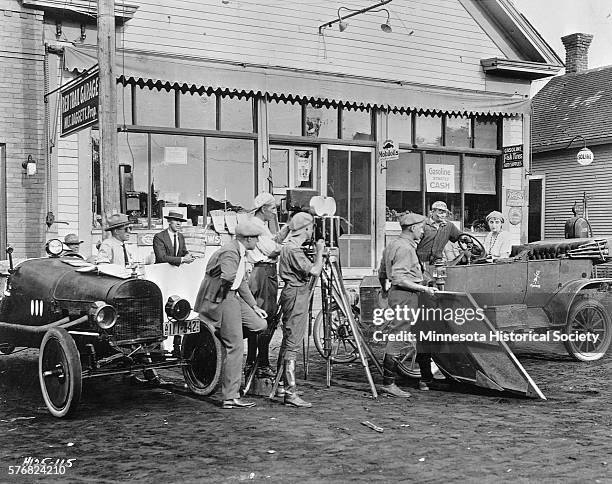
(588,316)
(205,355)
(59,372)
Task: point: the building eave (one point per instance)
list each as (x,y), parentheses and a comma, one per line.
(81,8)
(518,69)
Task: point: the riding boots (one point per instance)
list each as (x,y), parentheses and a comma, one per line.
(291,396)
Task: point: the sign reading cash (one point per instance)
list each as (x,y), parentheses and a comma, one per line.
(80,104)
(513,156)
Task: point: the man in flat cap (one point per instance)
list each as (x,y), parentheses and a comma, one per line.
(225,299)
(263,280)
(113,249)
(169,245)
(402,268)
(295,270)
(436,234)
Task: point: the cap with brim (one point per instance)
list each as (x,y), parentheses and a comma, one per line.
(175,216)
(300,220)
(439,205)
(72,239)
(408,219)
(495,214)
(117,220)
(247,228)
(263,199)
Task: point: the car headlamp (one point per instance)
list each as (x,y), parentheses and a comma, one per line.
(104,315)
(54,247)
(177,308)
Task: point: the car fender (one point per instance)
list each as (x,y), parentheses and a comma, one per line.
(558,308)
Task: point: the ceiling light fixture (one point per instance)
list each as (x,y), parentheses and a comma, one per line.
(386,27)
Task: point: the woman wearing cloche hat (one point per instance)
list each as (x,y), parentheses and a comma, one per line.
(497,243)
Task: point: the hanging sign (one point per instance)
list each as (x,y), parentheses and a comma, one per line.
(585,156)
(513,156)
(388,151)
(80,104)
(440,178)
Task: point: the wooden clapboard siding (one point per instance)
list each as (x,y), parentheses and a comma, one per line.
(68,185)
(566,180)
(444,49)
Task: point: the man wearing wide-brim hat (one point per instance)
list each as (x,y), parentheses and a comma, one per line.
(169,245)
(113,250)
(224,299)
(402,268)
(73,244)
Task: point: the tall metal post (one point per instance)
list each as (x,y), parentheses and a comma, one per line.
(109,167)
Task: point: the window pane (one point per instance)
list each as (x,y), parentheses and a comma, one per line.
(337,182)
(198,112)
(124,104)
(404,185)
(360,193)
(428,130)
(477,207)
(303,169)
(154,108)
(356,124)
(400,127)
(134,177)
(321,122)
(177,175)
(485,133)
(279,164)
(237,114)
(230,173)
(479,175)
(443,182)
(458,131)
(284,118)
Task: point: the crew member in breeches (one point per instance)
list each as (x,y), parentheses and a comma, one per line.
(263,280)
(225,299)
(400,265)
(295,270)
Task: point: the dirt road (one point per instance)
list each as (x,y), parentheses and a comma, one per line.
(124,433)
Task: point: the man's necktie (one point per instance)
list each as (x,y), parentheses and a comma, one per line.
(125,255)
(175,246)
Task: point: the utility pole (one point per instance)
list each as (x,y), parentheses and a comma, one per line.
(107,118)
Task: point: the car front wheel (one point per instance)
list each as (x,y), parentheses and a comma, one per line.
(205,355)
(588,320)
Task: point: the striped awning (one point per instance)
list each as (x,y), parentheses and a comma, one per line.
(197,75)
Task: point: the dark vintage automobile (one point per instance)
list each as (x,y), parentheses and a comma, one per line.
(88,323)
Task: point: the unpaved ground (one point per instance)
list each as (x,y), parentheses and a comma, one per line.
(124,433)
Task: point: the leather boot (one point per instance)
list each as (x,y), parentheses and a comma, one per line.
(291,396)
(389,387)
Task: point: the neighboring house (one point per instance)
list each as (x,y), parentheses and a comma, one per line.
(575,106)
(220,99)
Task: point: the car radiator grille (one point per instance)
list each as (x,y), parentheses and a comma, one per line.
(138,318)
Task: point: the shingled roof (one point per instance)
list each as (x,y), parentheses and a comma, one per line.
(571,105)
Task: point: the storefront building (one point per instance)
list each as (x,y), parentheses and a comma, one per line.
(220,100)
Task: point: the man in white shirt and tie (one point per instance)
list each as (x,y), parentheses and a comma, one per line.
(169,245)
(225,299)
(113,249)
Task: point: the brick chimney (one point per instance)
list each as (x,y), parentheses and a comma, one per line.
(576,52)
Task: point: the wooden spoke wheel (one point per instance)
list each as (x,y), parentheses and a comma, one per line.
(588,318)
(59,372)
(343,348)
(205,355)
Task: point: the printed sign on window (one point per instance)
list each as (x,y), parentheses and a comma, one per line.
(304,167)
(440,178)
(175,155)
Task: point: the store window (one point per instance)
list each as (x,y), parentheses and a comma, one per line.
(198,111)
(428,130)
(155,107)
(404,185)
(230,173)
(480,186)
(458,131)
(357,124)
(485,133)
(443,182)
(237,114)
(321,121)
(399,127)
(284,118)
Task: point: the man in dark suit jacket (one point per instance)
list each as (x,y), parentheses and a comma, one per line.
(169,245)
(225,299)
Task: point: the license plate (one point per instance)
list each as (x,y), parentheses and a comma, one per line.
(174,328)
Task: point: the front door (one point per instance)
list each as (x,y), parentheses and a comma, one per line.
(347,175)
(536,209)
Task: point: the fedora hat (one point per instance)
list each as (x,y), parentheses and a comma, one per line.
(72,239)
(117,220)
(175,216)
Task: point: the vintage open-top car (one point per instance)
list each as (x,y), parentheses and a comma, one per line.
(91,321)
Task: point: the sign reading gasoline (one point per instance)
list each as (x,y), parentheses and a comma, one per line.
(388,151)
(585,156)
(80,104)
(513,156)
(440,178)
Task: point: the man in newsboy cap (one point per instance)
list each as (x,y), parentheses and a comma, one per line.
(401,267)
(224,298)
(169,245)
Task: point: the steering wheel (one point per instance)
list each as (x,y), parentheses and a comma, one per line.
(472,250)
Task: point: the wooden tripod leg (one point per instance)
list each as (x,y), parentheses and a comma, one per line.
(279,375)
(250,377)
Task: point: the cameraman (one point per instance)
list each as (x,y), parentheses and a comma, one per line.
(295,269)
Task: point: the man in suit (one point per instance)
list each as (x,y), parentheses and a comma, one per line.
(169,245)
(113,249)
(225,299)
